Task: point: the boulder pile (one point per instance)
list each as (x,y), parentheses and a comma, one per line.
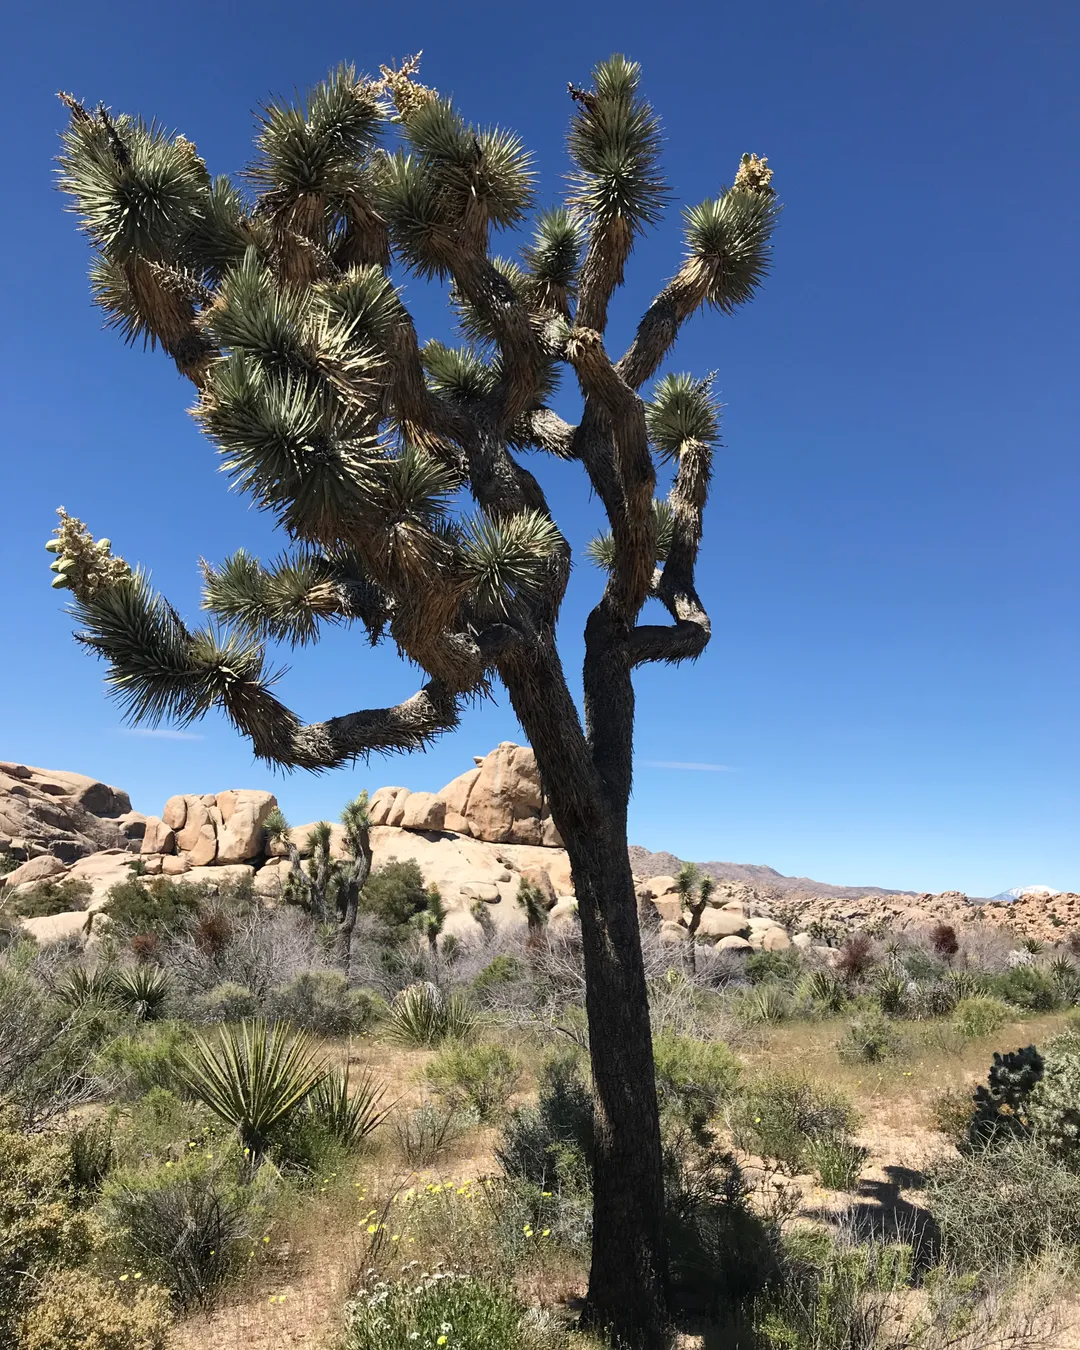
(47,813)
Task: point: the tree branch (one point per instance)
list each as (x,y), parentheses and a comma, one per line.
(631,519)
(660,324)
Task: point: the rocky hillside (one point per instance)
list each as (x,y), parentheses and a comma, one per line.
(476,839)
(646,864)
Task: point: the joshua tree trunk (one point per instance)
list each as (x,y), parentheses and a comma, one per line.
(586,780)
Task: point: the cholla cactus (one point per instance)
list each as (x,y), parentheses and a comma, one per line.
(397,470)
(1002,1104)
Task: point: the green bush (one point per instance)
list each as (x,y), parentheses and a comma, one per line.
(824,992)
(1027,987)
(185,1226)
(161,1126)
(1002,1207)
(870,1040)
(51,897)
(481,1078)
(694,1078)
(75,1308)
(978,1017)
(224,1003)
(320,1001)
(950,1111)
(159,906)
(150,1057)
(551,1144)
(425,1131)
(395,893)
(837,1161)
(446,1310)
(783,967)
(780,1116)
(41,1225)
(424,1015)
(501,970)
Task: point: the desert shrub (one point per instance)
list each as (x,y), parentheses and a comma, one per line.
(480,1078)
(254,1077)
(162,1127)
(477,1315)
(394,893)
(226,1002)
(1028,987)
(75,1308)
(1004,1207)
(1000,1110)
(943,940)
(836,1296)
(551,1144)
(856,956)
(146,1058)
(184,1226)
(977,1017)
(501,970)
(321,1001)
(91,1155)
(783,967)
(870,1040)
(950,1112)
(348,1111)
(933,998)
(780,1116)
(425,1015)
(837,1161)
(720,1251)
(694,1078)
(51,897)
(159,906)
(425,1131)
(40,1225)
(82,987)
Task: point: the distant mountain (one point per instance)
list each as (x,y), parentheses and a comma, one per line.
(1020,892)
(646,864)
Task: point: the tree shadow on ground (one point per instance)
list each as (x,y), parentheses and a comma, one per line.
(880,1213)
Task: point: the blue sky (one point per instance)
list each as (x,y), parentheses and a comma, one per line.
(891,693)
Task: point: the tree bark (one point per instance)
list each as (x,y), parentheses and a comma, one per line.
(628,1279)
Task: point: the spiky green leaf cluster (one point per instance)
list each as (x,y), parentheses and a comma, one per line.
(458,372)
(731,235)
(285,602)
(601,550)
(615,143)
(312,151)
(553,257)
(505,559)
(455,183)
(682,411)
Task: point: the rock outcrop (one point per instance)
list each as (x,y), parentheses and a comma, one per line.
(65,815)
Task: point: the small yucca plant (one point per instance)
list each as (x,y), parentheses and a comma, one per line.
(422,1015)
(83,987)
(350,1117)
(142,990)
(254,1077)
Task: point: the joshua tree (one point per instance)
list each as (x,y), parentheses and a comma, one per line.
(329,888)
(279,299)
(531,899)
(694,891)
(432,919)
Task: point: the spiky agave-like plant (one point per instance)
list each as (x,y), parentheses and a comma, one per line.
(279,298)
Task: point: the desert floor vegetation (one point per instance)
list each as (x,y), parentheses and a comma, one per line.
(214,1135)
